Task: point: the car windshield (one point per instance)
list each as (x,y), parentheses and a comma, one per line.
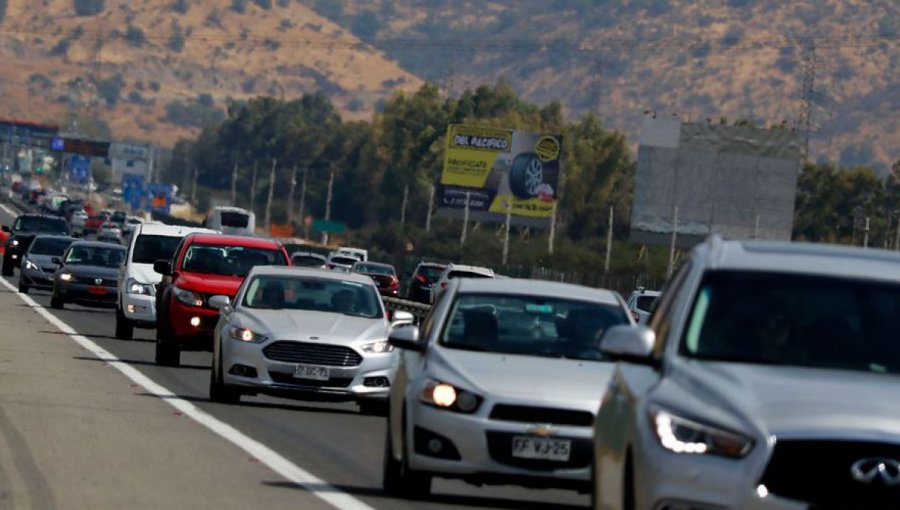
(90,255)
(283,292)
(375,269)
(53,246)
(307,261)
(148,248)
(39,224)
(530,325)
(229,260)
(798,320)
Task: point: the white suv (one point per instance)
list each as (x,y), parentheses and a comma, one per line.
(136,304)
(641,303)
(454,271)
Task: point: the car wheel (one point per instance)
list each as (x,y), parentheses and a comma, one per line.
(526,175)
(628,482)
(124,327)
(373,407)
(168,352)
(56,303)
(7,267)
(22,287)
(218,391)
(398,478)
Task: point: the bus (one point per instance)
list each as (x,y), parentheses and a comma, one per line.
(231,221)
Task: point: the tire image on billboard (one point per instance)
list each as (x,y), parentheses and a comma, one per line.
(526,175)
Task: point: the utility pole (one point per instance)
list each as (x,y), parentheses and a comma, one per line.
(671,267)
(271,195)
(253,190)
(807,91)
(552,237)
(403,207)
(506,232)
(194,188)
(430,207)
(234,174)
(462,237)
(866,234)
(303,203)
(897,236)
(609,239)
(290,209)
(328,204)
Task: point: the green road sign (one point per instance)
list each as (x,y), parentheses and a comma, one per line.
(332,226)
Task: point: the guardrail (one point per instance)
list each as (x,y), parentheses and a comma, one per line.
(419,310)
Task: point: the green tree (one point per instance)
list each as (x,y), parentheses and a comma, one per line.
(89,7)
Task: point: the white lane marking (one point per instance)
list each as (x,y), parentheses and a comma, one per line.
(9,211)
(275,461)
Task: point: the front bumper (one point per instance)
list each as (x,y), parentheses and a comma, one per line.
(484,449)
(181,317)
(368,380)
(36,279)
(139,308)
(85,294)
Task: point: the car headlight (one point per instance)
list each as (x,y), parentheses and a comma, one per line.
(681,435)
(31,265)
(14,243)
(133,286)
(447,396)
(188,297)
(246,335)
(377,347)
(66,276)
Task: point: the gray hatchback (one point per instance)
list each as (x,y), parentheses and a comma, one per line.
(87,274)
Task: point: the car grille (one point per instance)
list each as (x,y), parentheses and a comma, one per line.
(334,382)
(819,473)
(48,269)
(500,445)
(528,414)
(107,282)
(313,354)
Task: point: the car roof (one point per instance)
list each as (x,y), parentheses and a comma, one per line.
(311,272)
(432,264)
(226,240)
(100,244)
(159,229)
(801,258)
(473,269)
(308,254)
(520,286)
(376,264)
(45,236)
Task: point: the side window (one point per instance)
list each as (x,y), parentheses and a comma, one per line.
(661,320)
(176,257)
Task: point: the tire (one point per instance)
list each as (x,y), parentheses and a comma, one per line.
(22,287)
(218,391)
(168,352)
(628,502)
(373,407)
(124,327)
(525,175)
(56,303)
(398,478)
(7,266)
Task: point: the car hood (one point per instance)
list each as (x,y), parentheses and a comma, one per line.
(515,376)
(792,401)
(309,325)
(143,273)
(42,260)
(209,283)
(85,271)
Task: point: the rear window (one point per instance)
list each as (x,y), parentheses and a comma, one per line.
(375,269)
(431,273)
(40,224)
(646,303)
(148,249)
(234,219)
(307,261)
(466,274)
(347,261)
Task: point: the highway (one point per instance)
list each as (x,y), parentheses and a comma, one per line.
(324,453)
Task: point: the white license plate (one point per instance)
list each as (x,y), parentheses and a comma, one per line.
(313,372)
(525,447)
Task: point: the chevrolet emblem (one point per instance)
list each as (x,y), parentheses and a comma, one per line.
(541,430)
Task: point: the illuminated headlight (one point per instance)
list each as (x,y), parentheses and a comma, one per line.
(246,335)
(14,243)
(132,286)
(377,347)
(681,435)
(31,265)
(187,297)
(447,396)
(66,276)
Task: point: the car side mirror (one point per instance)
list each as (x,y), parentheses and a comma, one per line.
(56,260)
(629,343)
(163,267)
(6,229)
(220,302)
(401,317)
(405,336)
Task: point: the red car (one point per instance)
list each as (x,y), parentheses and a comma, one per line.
(93,223)
(384,275)
(204,265)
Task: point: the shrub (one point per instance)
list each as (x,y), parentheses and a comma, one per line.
(135,36)
(263,4)
(180,6)
(239,6)
(154,86)
(89,7)
(192,114)
(111,88)
(135,97)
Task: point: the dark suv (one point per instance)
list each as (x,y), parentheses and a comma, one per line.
(22,233)
(419,286)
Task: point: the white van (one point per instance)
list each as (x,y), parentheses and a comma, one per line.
(136,304)
(232,221)
(361,254)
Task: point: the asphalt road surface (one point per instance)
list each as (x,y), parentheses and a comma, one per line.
(165,445)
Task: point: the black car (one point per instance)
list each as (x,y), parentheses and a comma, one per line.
(419,287)
(87,274)
(22,233)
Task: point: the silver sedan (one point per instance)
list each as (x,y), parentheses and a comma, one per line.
(303,333)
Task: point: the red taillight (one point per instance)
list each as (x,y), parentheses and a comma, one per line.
(637,318)
(444,285)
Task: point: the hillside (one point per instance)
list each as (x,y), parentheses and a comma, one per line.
(699,59)
(156,70)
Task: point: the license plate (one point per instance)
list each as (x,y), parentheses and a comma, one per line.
(312,372)
(97,291)
(542,449)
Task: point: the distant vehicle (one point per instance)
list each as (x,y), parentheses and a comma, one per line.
(341,262)
(77,222)
(130,224)
(137,279)
(110,229)
(232,221)
(309,259)
(641,303)
(87,274)
(384,275)
(453,271)
(423,277)
(22,233)
(37,269)
(118,217)
(304,332)
(93,223)
(203,265)
(359,253)
(503,388)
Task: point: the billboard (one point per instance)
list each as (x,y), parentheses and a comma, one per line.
(79,169)
(498,168)
(736,181)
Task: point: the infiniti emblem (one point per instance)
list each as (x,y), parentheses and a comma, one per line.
(871,469)
(98,281)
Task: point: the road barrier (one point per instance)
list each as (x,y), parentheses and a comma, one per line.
(419,310)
